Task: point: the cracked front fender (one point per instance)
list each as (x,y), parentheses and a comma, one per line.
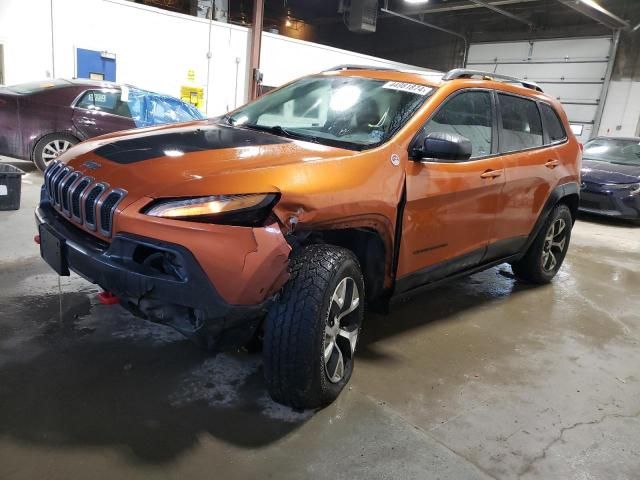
(245,265)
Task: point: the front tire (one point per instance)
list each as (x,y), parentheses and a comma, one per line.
(545,256)
(51,147)
(312,331)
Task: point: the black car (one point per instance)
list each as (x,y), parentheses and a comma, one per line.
(611,177)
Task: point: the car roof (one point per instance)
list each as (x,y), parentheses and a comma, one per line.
(435,78)
(85,82)
(629,139)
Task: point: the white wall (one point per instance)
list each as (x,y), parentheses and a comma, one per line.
(283,59)
(25,32)
(154,48)
(621,116)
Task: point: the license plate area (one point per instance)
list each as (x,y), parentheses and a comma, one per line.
(53,250)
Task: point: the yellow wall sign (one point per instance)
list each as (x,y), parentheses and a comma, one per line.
(192,95)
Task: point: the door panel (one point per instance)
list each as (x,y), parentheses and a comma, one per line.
(101,111)
(529,167)
(449,214)
(451,206)
(527,186)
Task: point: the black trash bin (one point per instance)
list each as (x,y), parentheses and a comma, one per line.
(10,186)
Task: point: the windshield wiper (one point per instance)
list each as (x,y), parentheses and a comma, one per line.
(283,132)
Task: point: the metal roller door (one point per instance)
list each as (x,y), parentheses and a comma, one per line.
(575,71)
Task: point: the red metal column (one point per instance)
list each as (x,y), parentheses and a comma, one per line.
(254,52)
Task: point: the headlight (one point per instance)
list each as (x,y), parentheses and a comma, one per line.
(635,189)
(249,210)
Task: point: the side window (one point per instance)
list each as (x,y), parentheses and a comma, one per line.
(552,123)
(104,101)
(521,124)
(86,101)
(468,114)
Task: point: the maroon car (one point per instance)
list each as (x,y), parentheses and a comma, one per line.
(41,120)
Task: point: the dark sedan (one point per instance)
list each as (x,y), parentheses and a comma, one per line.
(41,120)
(611,177)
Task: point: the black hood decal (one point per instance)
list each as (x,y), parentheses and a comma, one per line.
(176,143)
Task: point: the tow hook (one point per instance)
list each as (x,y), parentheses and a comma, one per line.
(108,298)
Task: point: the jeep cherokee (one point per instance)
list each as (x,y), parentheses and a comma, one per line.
(283,217)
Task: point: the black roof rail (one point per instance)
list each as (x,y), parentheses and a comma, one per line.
(348,66)
(465,73)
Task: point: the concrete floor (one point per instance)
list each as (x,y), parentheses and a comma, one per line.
(482,378)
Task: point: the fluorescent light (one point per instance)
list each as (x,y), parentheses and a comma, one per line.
(416,1)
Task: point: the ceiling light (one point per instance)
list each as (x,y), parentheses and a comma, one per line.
(416,1)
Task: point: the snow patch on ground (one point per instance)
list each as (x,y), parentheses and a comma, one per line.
(137,329)
(279,412)
(217,381)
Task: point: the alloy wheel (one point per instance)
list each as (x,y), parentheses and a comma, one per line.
(554,243)
(54,149)
(341,330)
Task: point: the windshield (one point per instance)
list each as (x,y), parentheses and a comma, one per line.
(348,112)
(613,150)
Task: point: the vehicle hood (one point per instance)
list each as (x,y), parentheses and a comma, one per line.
(594,171)
(195,158)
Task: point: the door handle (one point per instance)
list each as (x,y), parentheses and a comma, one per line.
(86,121)
(552,164)
(491,174)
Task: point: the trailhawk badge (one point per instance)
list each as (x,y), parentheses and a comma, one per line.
(91,165)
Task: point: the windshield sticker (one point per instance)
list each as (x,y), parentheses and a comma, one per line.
(408,87)
(124,96)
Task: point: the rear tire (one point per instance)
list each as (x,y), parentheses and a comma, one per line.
(51,147)
(311,332)
(545,256)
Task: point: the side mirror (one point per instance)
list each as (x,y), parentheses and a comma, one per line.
(446,147)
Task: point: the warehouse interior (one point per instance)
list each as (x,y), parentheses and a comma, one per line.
(484,376)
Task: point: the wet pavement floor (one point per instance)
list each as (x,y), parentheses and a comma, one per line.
(485,377)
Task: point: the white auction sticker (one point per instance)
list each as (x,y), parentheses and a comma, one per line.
(3,191)
(408,87)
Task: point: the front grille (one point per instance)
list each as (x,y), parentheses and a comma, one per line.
(55,184)
(78,190)
(106,210)
(90,204)
(79,197)
(594,201)
(64,190)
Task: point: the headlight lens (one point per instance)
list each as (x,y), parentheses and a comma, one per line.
(635,189)
(242,210)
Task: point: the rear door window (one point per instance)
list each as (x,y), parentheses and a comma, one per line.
(521,124)
(552,124)
(108,101)
(468,114)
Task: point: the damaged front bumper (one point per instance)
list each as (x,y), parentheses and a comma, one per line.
(155,280)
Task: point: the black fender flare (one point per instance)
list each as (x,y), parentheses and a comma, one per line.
(556,196)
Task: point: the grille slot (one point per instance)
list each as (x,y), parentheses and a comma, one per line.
(107,208)
(55,183)
(75,197)
(90,204)
(64,190)
(50,172)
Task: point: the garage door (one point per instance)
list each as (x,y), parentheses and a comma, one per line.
(572,70)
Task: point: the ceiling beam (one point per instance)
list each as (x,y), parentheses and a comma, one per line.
(591,9)
(435,27)
(462,6)
(501,11)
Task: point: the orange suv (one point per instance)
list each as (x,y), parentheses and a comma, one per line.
(282,219)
